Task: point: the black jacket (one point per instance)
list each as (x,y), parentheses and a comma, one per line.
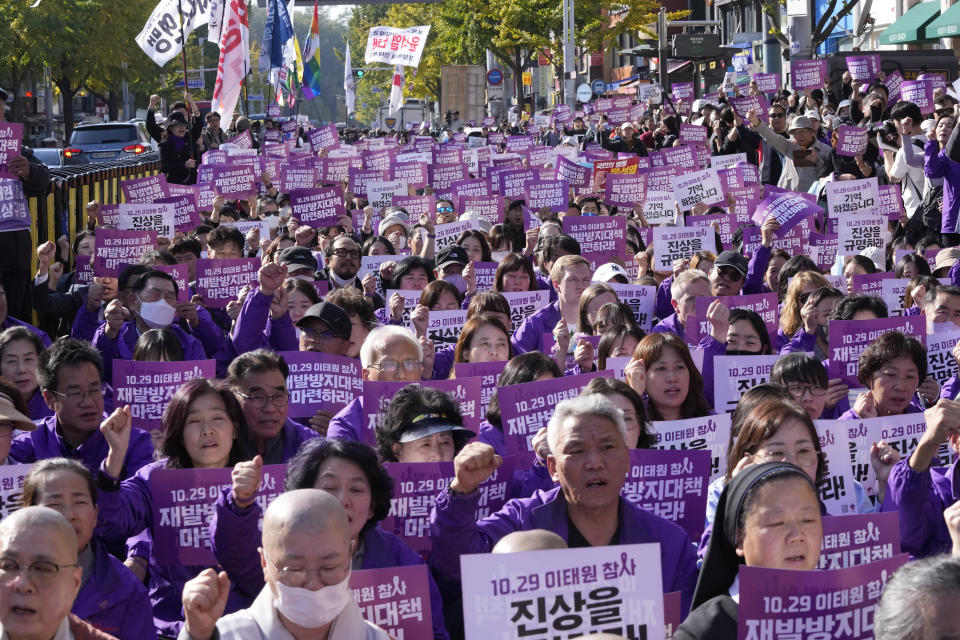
(173,163)
(715,619)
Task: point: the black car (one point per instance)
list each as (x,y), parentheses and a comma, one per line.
(55,158)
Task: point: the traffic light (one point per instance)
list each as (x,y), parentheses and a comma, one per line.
(359,73)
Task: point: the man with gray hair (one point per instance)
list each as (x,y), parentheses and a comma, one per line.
(589,459)
(389,354)
(40,577)
(920,601)
(305,557)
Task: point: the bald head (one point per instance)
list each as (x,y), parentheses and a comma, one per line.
(26,522)
(303,511)
(532,540)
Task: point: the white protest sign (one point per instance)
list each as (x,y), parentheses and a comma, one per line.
(380,193)
(858,231)
(709,432)
(673,243)
(390,45)
(892,291)
(144,217)
(660,207)
(837,490)
(691,189)
(851,196)
(733,375)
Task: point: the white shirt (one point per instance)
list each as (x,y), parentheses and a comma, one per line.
(911,175)
(734,590)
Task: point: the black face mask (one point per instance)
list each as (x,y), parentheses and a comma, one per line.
(741,352)
(875,113)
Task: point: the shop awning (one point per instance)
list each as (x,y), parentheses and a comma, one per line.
(911,27)
(947,25)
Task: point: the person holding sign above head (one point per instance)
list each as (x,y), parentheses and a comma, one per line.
(153,307)
(259,379)
(768,516)
(71,379)
(571,277)
(111,598)
(305,559)
(203,428)
(389,354)
(589,458)
(350,472)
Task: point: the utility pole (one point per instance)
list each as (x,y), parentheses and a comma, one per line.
(662,48)
(569,55)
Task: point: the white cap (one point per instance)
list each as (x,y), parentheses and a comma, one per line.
(609,271)
(394,218)
(479,222)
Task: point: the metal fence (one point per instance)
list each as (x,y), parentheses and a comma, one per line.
(63,209)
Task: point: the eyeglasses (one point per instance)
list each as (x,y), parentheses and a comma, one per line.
(797,390)
(944,112)
(260,400)
(298,576)
(42,573)
(347,253)
(444,209)
(313,334)
(77,396)
(802,457)
(391,366)
(730,273)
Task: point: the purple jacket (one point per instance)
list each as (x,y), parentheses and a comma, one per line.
(38,406)
(255,329)
(851,414)
(235,536)
(280,449)
(801,341)
(113,600)
(670,324)
(921,499)
(951,387)
(710,347)
(756,269)
(348,423)
(127,512)
(663,307)
(45,442)
(525,482)
(454,532)
(443,363)
(937,164)
(529,335)
(122,347)
(545,285)
(13,322)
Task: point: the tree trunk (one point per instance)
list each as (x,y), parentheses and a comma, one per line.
(113,105)
(66,93)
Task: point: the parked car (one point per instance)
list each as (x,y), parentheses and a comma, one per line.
(110,141)
(54,157)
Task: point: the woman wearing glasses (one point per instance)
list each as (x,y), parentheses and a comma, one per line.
(203,428)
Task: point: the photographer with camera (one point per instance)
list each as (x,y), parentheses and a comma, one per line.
(901,140)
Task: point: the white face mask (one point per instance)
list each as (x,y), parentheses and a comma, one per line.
(498,256)
(312,609)
(157,314)
(398,241)
(285,212)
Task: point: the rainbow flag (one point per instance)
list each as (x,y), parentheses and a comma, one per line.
(311,60)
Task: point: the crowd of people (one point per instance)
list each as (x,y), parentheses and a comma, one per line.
(79,557)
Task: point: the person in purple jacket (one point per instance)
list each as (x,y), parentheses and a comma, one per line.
(685,289)
(110,598)
(891,369)
(20,354)
(259,379)
(71,377)
(152,306)
(945,163)
(571,277)
(389,354)
(919,491)
(351,473)
(264,321)
(589,458)
(203,428)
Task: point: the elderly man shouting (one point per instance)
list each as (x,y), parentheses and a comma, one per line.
(590,459)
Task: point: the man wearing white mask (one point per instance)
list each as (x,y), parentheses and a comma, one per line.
(153,306)
(306,564)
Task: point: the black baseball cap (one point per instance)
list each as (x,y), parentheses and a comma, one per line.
(732,259)
(4,96)
(452,254)
(336,319)
(297,258)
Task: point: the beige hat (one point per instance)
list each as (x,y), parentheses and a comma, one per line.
(946,258)
(9,412)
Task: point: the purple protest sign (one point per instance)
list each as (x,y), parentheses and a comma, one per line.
(321,207)
(863,68)
(681,90)
(360,178)
(219,281)
(396,599)
(144,190)
(14,211)
(320,382)
(332,170)
(919,92)
(377,397)
(525,303)
(858,539)
(625,190)
(233,182)
(242,141)
(298,176)
(486,273)
(413,173)
(671,484)
(808,74)
(324,138)
(848,338)
(788,208)
(183,504)
(416,486)
(576,175)
(115,248)
(11,133)
(83,273)
(181,274)
(693,134)
(851,141)
(148,386)
(893,82)
(598,234)
(527,407)
(838,603)
(871,284)
(490,208)
(756,103)
(186,216)
(441,176)
(552,194)
(767,82)
(487,372)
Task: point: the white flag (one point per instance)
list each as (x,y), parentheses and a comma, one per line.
(351,95)
(217,9)
(160,37)
(234,59)
(396,91)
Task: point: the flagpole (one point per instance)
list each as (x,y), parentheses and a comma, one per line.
(183,59)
